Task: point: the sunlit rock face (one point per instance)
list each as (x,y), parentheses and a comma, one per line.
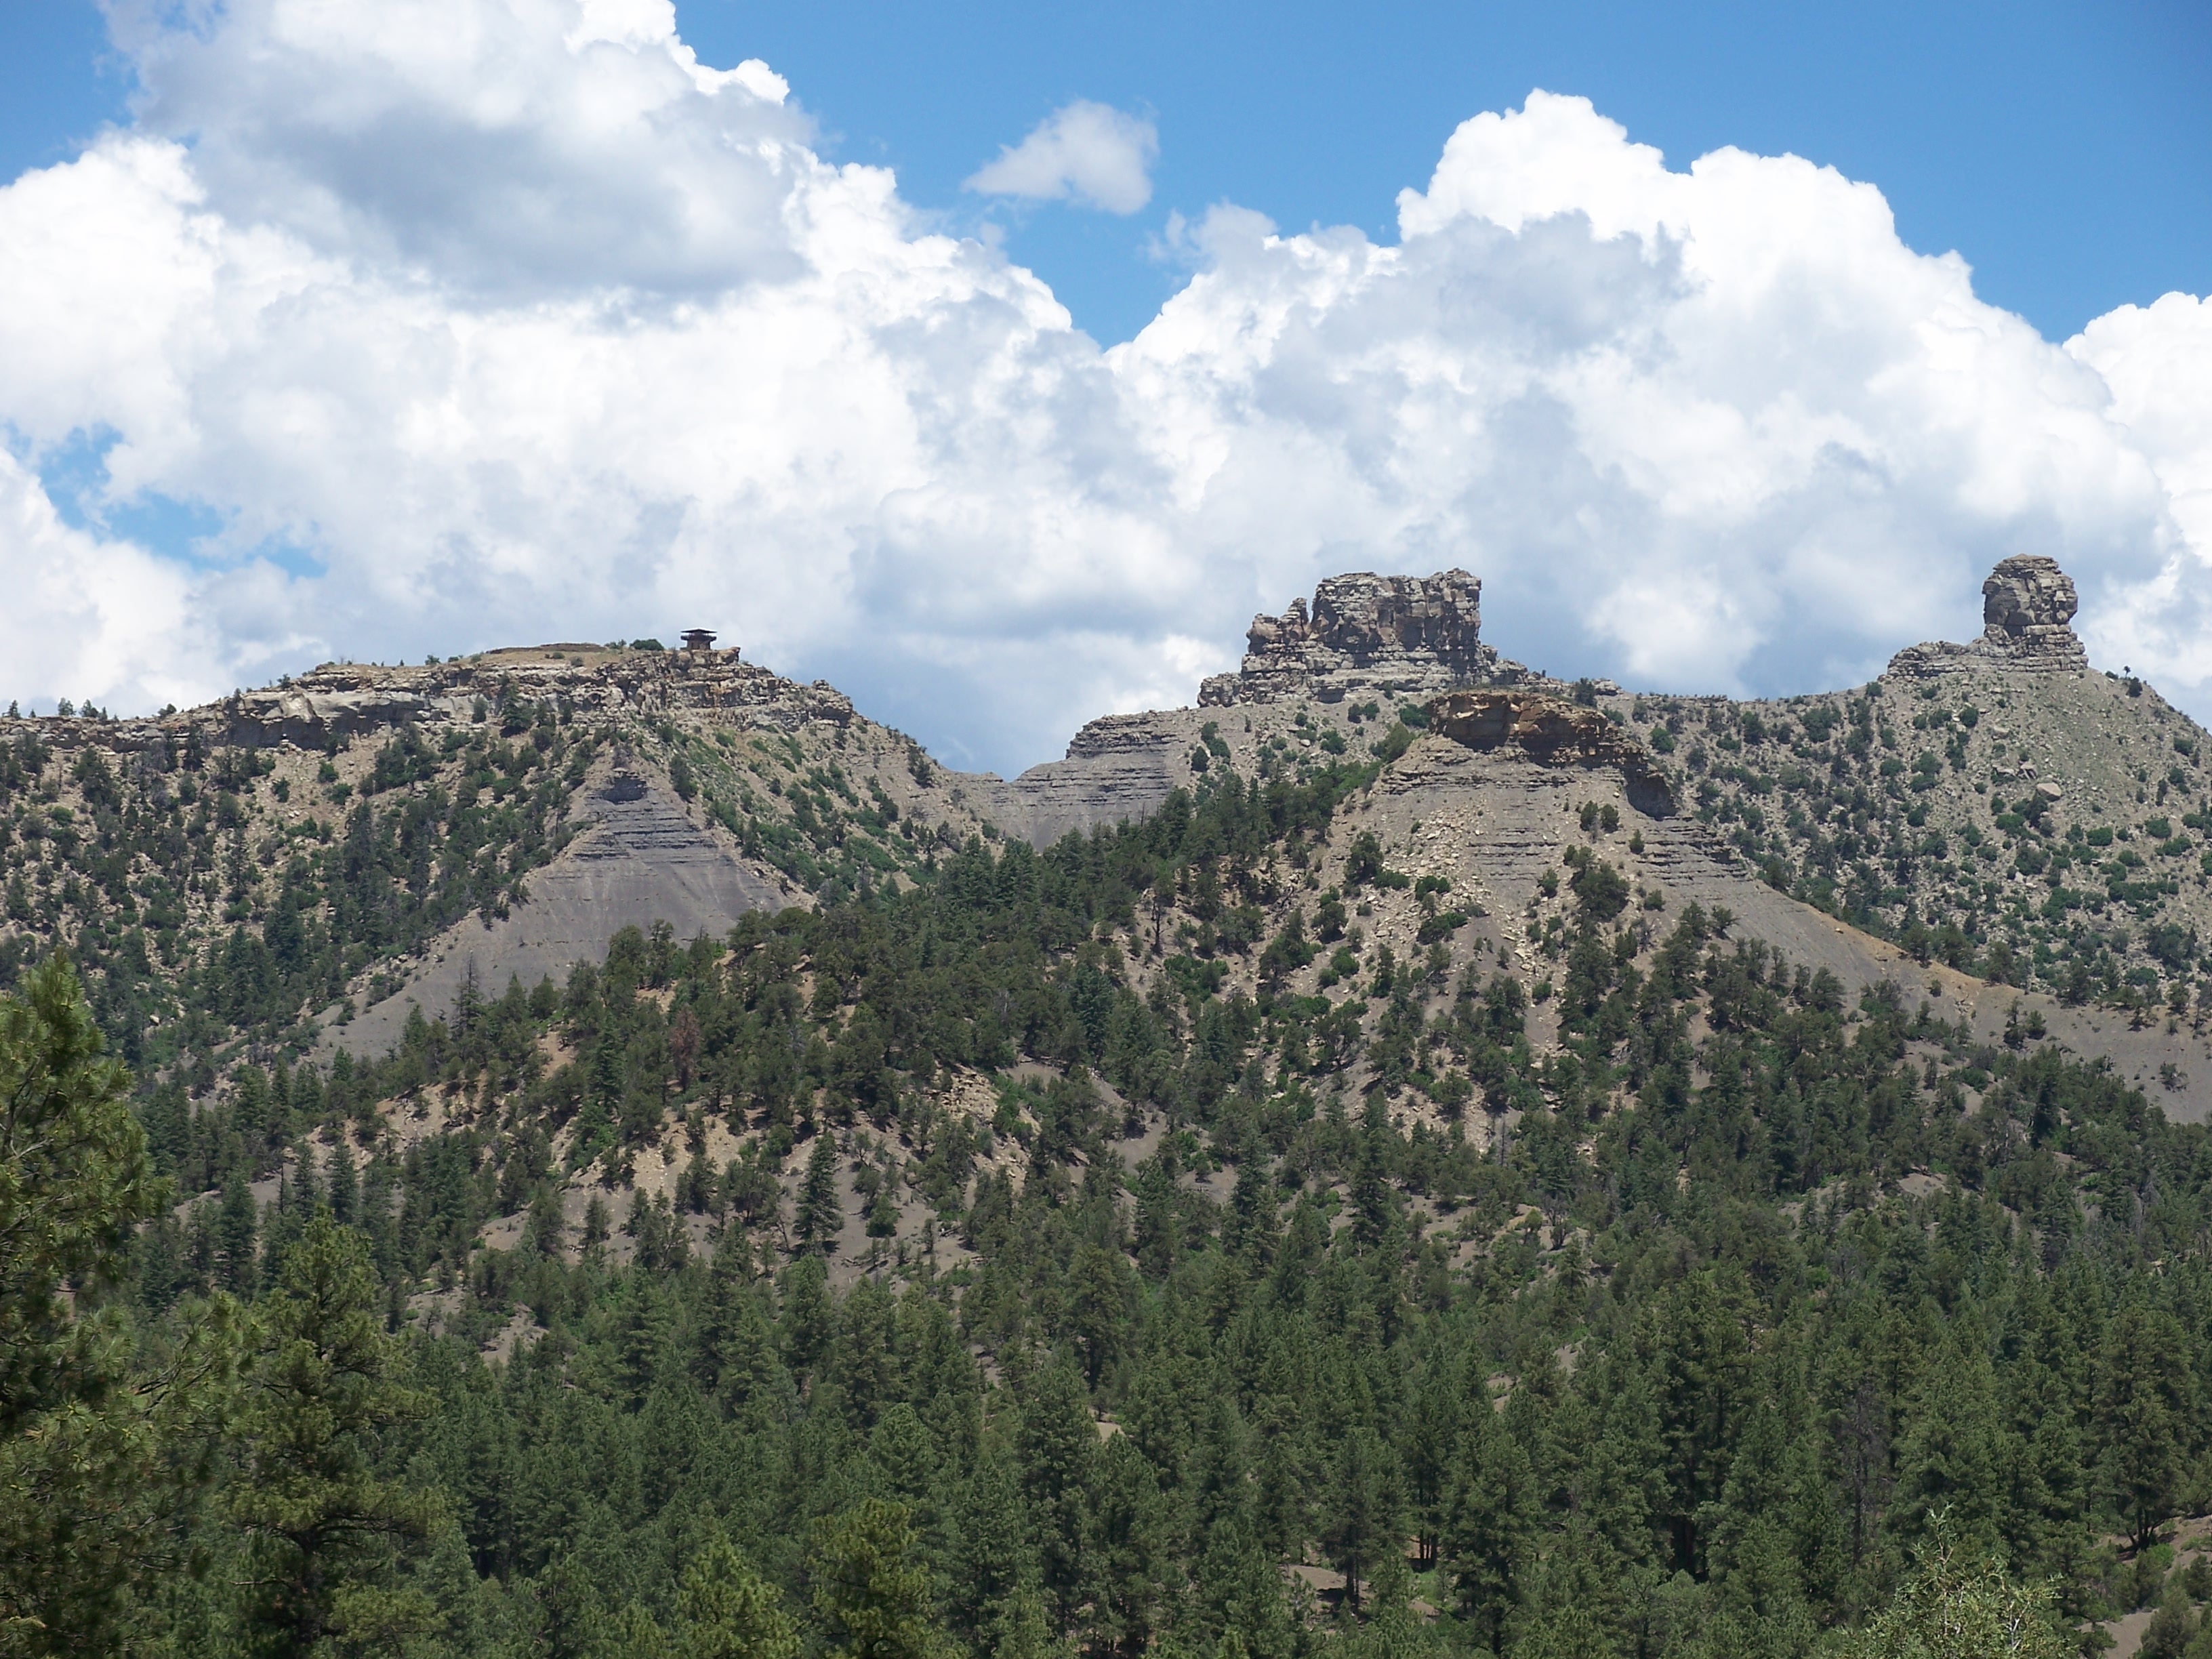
(1400,636)
(2028,616)
(2027,612)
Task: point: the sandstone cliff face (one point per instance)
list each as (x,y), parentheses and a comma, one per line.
(1554,732)
(1396,636)
(597,686)
(1389,639)
(2027,613)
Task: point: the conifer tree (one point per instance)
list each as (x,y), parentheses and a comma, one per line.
(632,1634)
(1057,1447)
(995,1555)
(1363,1509)
(1698,1351)
(344,1184)
(1954,1452)
(1098,1314)
(325,1381)
(2145,1416)
(646,1340)
(236,1228)
(726,1610)
(547,1226)
(900,1451)
(1561,1618)
(808,1318)
(1491,1519)
(1129,1543)
(871,1588)
(80,1462)
(1432,1432)
(820,1216)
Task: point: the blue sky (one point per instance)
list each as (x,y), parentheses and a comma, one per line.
(2064,149)
(410,326)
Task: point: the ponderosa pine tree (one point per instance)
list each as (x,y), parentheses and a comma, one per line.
(1130,1544)
(1363,1507)
(995,1554)
(1696,1339)
(314,1510)
(871,1588)
(1956,1451)
(727,1610)
(1058,1447)
(1432,1432)
(2144,1415)
(81,1474)
(1492,1513)
(820,1216)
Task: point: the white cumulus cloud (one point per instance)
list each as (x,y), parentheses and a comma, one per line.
(1091,153)
(492,321)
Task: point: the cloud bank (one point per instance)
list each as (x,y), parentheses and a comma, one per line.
(471,322)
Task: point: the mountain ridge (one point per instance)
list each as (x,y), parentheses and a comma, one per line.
(687,787)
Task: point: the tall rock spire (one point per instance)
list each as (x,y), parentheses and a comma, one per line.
(2027,614)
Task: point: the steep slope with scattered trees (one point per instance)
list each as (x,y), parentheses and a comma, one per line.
(1030,1254)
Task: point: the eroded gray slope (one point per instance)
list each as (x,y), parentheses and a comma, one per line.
(645,857)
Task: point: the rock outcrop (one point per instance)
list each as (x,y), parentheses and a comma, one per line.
(1118,767)
(339,701)
(1553,731)
(1396,636)
(2027,613)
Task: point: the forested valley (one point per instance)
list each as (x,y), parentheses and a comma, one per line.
(1752,1319)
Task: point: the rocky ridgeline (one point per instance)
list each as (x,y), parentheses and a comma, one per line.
(1995,799)
(2027,613)
(597,685)
(518,808)
(338,702)
(1384,636)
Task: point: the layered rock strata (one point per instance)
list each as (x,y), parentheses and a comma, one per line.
(2028,605)
(1553,733)
(641,858)
(1396,636)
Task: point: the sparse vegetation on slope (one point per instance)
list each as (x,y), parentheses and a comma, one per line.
(2047,832)
(1026,1258)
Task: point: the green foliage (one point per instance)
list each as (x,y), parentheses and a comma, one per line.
(74,1180)
(727,1610)
(1960,1604)
(85,1491)
(1666,1338)
(870,1590)
(314,1510)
